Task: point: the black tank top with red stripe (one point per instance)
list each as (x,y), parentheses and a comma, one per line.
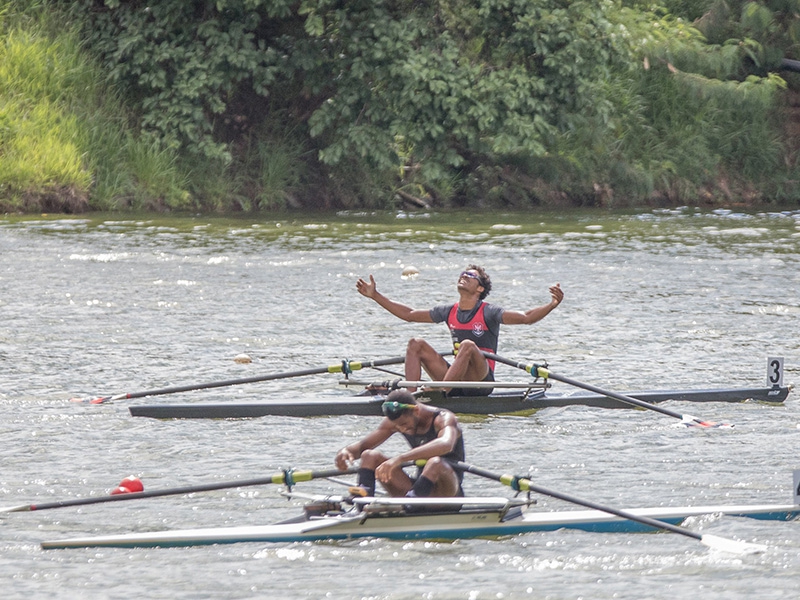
(475,329)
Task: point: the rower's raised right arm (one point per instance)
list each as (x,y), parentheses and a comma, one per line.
(366,289)
(401,311)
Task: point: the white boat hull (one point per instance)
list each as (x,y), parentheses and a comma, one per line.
(465,524)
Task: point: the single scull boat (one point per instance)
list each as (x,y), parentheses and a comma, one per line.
(403,518)
(530,399)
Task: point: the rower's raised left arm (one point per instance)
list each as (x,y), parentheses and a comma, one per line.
(513,317)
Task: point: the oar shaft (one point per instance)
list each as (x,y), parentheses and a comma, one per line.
(526,484)
(228,382)
(337,368)
(284,477)
(610,394)
(539,371)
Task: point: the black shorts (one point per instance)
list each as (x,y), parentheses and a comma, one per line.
(474,391)
(459,474)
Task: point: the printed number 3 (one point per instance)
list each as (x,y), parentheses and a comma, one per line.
(775,371)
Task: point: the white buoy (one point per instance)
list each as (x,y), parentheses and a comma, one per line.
(410,271)
(242,358)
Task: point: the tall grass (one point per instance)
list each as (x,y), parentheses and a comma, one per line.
(65,138)
(38,148)
(269,170)
(68,143)
(158,181)
(39,135)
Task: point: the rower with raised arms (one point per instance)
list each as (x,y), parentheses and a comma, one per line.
(433,434)
(474,326)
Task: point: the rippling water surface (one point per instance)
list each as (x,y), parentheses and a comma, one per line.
(664,299)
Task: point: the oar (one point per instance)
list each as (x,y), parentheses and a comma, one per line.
(539,371)
(522,484)
(288,478)
(402,383)
(343,367)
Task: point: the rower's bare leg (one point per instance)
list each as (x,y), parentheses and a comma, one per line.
(470,364)
(371,459)
(421,355)
(399,483)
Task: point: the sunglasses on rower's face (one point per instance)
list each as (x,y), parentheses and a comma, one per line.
(470,275)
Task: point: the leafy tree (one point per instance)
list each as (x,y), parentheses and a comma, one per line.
(449,97)
(427,87)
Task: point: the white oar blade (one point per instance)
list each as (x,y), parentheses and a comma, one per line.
(691,421)
(732,546)
(20,508)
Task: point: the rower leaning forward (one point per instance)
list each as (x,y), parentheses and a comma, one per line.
(432,434)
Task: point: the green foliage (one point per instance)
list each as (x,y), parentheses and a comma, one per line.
(765,32)
(681,125)
(157,180)
(38,133)
(402,74)
(273,165)
(368,73)
(269,104)
(182,61)
(65,140)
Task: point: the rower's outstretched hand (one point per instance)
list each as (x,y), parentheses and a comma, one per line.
(556,293)
(366,289)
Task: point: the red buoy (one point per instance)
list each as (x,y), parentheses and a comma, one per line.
(128,485)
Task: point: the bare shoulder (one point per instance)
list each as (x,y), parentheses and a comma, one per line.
(385,425)
(445,418)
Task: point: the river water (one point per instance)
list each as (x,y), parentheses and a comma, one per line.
(97,305)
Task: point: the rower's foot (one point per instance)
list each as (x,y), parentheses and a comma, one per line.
(378,389)
(384,387)
(322,508)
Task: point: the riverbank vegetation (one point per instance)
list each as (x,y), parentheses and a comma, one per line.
(256,105)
